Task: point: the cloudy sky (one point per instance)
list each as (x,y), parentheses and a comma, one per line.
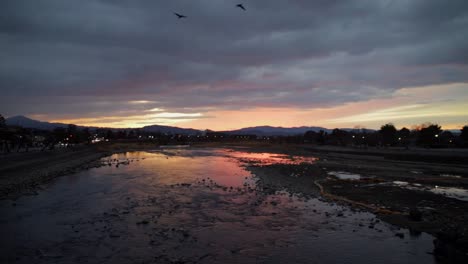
(332,63)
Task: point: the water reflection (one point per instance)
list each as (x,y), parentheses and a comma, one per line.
(342,175)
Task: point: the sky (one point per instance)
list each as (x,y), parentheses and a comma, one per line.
(330,63)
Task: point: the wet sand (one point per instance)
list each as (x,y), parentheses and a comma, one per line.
(185,217)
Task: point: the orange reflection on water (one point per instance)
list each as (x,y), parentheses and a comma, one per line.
(177,166)
(172,166)
(270,158)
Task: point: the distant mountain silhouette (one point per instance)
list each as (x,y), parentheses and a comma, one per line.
(358,130)
(170,130)
(276,131)
(258,130)
(26,122)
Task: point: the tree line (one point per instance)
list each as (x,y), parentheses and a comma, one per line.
(425,135)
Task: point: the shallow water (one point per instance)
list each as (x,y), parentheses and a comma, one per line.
(343,175)
(192,205)
(451,192)
(450,175)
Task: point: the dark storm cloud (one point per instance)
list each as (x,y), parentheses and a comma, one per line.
(278,53)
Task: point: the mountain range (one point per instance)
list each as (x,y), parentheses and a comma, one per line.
(258,130)
(26,122)
(275,131)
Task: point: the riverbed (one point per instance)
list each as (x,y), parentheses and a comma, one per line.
(193,205)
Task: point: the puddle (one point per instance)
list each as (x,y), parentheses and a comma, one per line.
(342,175)
(192,206)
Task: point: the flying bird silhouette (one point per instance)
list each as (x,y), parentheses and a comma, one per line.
(241,6)
(179,16)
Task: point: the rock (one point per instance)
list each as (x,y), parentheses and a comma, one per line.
(415,214)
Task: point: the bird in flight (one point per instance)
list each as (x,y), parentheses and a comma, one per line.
(241,6)
(179,16)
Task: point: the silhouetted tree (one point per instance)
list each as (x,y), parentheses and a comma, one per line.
(429,135)
(72,134)
(131,134)
(86,135)
(388,132)
(339,136)
(404,135)
(447,137)
(321,137)
(109,134)
(310,136)
(464,134)
(2,121)
(59,134)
